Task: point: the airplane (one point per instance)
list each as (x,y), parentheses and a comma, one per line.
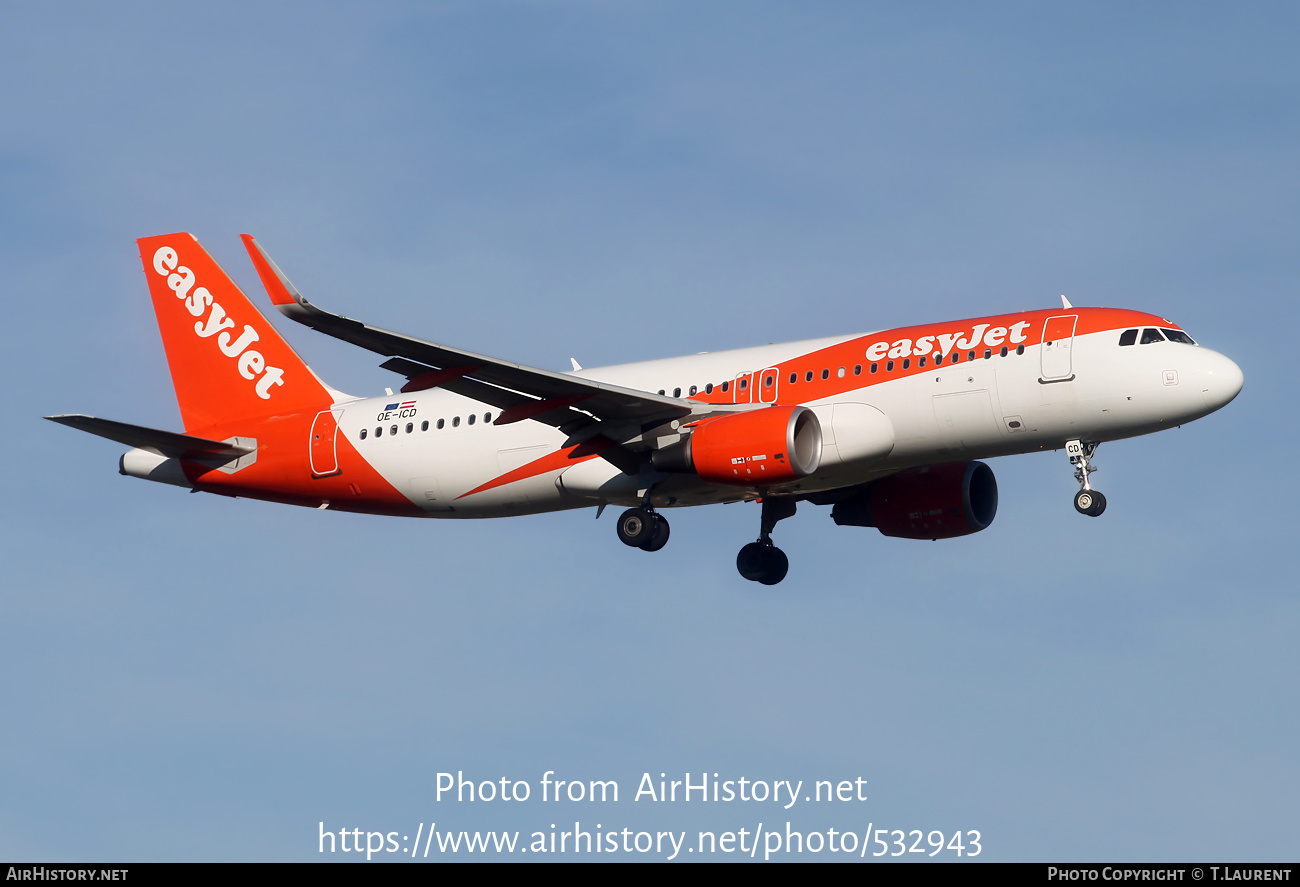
(886,428)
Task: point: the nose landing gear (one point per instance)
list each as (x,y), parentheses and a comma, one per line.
(1087,501)
(762,561)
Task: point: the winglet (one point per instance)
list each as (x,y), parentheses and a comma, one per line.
(284,295)
(1065,303)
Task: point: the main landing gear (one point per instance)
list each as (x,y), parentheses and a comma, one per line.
(643,528)
(1087,501)
(762,561)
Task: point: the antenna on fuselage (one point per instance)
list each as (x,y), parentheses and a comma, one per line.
(1065,303)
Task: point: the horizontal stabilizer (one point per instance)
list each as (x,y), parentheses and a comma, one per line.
(168,443)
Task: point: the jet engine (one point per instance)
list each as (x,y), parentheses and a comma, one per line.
(931,502)
(762,447)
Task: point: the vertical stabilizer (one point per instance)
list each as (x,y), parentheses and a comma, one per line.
(227,362)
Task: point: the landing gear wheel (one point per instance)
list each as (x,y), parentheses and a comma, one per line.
(636,527)
(1083,501)
(1089,502)
(763,563)
(659,538)
(776,567)
(750,561)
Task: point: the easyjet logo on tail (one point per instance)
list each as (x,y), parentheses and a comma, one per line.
(198,301)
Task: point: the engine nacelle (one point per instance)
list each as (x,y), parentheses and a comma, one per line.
(931,502)
(760,447)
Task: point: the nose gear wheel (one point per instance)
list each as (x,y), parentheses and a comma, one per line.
(1087,501)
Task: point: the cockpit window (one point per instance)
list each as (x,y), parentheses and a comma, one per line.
(1150,335)
(1177,336)
(1128,337)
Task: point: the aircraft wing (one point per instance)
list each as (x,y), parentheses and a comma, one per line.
(168,443)
(521,392)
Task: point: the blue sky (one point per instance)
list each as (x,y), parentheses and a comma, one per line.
(186,677)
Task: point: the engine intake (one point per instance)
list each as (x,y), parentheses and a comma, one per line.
(755,448)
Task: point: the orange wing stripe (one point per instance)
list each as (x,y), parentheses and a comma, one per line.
(550,462)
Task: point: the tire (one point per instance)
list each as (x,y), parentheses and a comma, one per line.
(636,527)
(750,561)
(1084,501)
(765,564)
(658,538)
(775,567)
(1098,504)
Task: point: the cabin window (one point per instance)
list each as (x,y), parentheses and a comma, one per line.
(807,377)
(379,431)
(472,417)
(455,421)
(694,391)
(393,430)
(920,363)
(956,356)
(363,434)
(1020,349)
(826,374)
(988,352)
(970,355)
(794,377)
(1004,350)
(857,370)
(1128,337)
(726,385)
(907,363)
(889,367)
(410,426)
(677,392)
(661,392)
(1150,335)
(1177,336)
(744,384)
(874,367)
(487,417)
(708,389)
(424,426)
(839,374)
(441,424)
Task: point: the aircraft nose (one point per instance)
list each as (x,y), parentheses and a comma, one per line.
(1221,380)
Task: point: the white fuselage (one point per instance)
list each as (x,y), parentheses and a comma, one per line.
(443,448)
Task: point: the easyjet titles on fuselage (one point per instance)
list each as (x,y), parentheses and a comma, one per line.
(942,344)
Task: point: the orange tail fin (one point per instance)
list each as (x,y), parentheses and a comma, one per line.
(227,362)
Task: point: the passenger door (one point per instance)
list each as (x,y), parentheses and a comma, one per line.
(1058,339)
(322,449)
